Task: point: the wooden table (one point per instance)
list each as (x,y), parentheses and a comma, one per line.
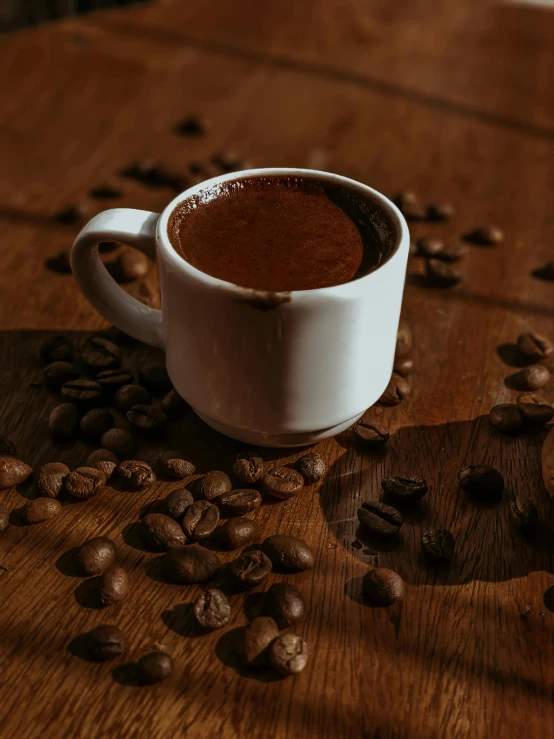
(452,100)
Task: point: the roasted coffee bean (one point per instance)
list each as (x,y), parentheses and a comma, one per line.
(56,349)
(481,481)
(51,479)
(212,610)
(114,586)
(200,520)
(96,555)
(248,467)
(383,586)
(172,464)
(524,513)
(174,406)
(288,552)
(85,482)
(410,206)
(4,517)
(130,395)
(57,374)
(440,211)
(250,568)
(190,564)
(311,467)
(7,449)
(438,545)
(237,532)
(380,519)
(282,482)
(213,484)
(130,265)
(404,340)
(60,263)
(371,434)
(154,175)
(533,347)
(114,379)
(146,417)
(191,126)
(285,604)
(84,392)
(104,461)
(106,642)
(506,418)
(13,472)
(119,442)
(452,252)
(177,502)
(397,389)
(485,236)
(442,274)
(160,532)
(288,654)
(404,366)
(136,475)
(427,246)
(100,354)
(530,378)
(405,488)
(155,667)
(154,377)
(95,423)
(40,509)
(73,213)
(253,641)
(105,192)
(238,502)
(63,421)
(535,410)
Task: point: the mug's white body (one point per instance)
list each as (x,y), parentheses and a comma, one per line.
(268,369)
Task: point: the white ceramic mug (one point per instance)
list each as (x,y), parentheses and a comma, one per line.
(281,369)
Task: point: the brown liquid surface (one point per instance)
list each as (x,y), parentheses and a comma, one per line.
(281,233)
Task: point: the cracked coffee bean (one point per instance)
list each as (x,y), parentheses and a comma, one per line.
(177,502)
(82,392)
(95,423)
(288,552)
(40,509)
(397,389)
(405,488)
(146,417)
(154,377)
(237,532)
(253,641)
(533,347)
(7,448)
(160,532)
(380,519)
(200,520)
(174,406)
(113,379)
(130,265)
(383,586)
(530,378)
(427,246)
(85,482)
(404,366)
(506,418)
(440,211)
(248,467)
(56,349)
(57,374)
(311,467)
(288,654)
(282,482)
(438,545)
(96,555)
(4,517)
(485,236)
(63,421)
(238,502)
(535,410)
(524,513)
(212,610)
(136,475)
(100,354)
(172,464)
(155,667)
(404,340)
(119,442)
(371,434)
(130,395)
(114,586)
(442,274)
(250,568)
(51,479)
(13,472)
(213,484)
(104,461)
(481,481)
(106,642)
(190,564)
(285,604)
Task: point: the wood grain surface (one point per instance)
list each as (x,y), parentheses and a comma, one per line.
(469,651)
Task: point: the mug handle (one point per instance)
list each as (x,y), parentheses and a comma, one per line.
(136,228)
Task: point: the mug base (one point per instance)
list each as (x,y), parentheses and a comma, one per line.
(259,438)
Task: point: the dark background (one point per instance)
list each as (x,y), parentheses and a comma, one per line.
(18,13)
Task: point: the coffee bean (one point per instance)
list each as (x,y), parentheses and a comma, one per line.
(105,192)
(154,175)
(85,482)
(40,509)
(60,263)
(119,442)
(530,378)
(481,481)
(95,423)
(56,349)
(288,654)
(410,206)
(405,488)
(51,479)
(311,467)
(131,265)
(533,347)
(440,211)
(485,236)
(380,519)
(160,532)
(250,568)
(427,246)
(174,406)
(191,126)
(238,502)
(282,482)
(438,545)
(452,252)
(524,513)
(213,484)
(177,502)
(404,366)
(106,642)
(7,449)
(371,434)
(146,417)
(114,379)
(63,420)
(104,461)
(535,410)
(155,667)
(237,532)
(383,586)
(83,392)
(212,610)
(136,475)
(442,274)
(154,377)
(253,641)
(130,395)
(285,604)
(114,586)
(172,464)
(395,392)
(4,517)
(96,555)
(58,373)
(506,418)
(404,340)
(200,520)
(227,162)
(13,472)
(190,564)
(289,552)
(248,467)
(100,354)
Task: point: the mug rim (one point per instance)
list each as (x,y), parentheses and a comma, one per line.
(179,262)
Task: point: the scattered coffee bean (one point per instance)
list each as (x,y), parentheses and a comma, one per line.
(212,610)
(130,395)
(72,214)
(95,423)
(282,482)
(51,479)
(146,417)
(58,373)
(371,434)
(442,274)
(438,545)
(383,586)
(136,475)
(250,568)
(106,642)
(200,520)
(171,464)
(452,252)
(63,421)
(154,175)
(12,472)
(160,532)
(533,347)
(60,263)
(410,206)
(174,406)
(40,509)
(404,366)
(248,467)
(113,379)
(481,481)
(7,449)
(213,484)
(105,192)
(288,654)
(104,461)
(155,667)
(114,586)
(440,211)
(311,467)
(285,604)
(404,340)
(177,502)
(238,502)
(119,442)
(530,378)
(397,389)
(237,532)
(85,482)
(506,418)
(190,564)
(535,410)
(4,517)
(524,513)
(289,552)
(191,126)
(254,640)
(154,377)
(227,162)
(427,246)
(485,236)
(83,392)
(405,488)
(96,555)
(131,265)
(380,519)
(100,354)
